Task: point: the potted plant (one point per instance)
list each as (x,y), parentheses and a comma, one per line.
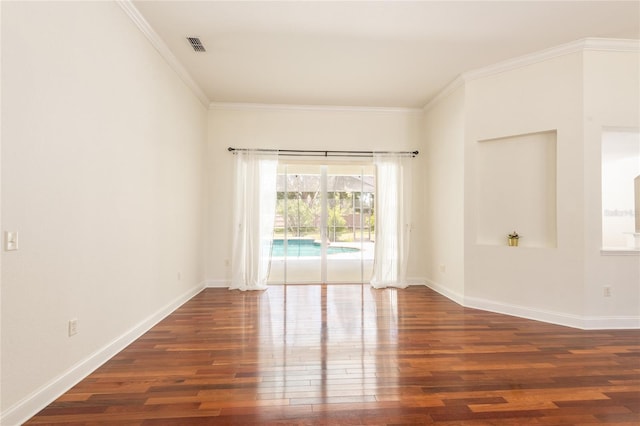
(513,239)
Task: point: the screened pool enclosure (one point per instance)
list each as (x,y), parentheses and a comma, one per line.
(324,224)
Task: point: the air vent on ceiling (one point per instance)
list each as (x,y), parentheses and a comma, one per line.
(196,44)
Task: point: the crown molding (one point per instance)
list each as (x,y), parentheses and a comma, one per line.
(592,44)
(134,14)
(293,107)
(448,89)
(586,44)
(612,44)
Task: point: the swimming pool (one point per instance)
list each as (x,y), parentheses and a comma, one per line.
(305,248)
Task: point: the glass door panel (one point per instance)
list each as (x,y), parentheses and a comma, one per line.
(324,226)
(296,254)
(350,190)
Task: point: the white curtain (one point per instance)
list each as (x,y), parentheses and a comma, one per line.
(393,220)
(253,216)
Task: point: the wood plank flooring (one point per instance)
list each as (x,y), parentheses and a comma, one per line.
(352,355)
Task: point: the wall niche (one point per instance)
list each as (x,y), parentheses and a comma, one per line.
(516,189)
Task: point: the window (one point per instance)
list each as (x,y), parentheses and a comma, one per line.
(621,189)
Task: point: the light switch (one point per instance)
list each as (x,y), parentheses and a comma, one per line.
(11,240)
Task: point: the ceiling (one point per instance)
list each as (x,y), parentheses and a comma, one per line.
(366,53)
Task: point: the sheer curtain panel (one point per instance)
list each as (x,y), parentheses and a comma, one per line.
(254,213)
(393,220)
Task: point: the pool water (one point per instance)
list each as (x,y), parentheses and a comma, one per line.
(304,248)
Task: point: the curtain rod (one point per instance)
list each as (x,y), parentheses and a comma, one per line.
(324,153)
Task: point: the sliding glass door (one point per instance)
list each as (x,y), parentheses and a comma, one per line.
(297,238)
(350,221)
(324,226)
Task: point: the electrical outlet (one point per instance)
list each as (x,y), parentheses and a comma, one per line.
(607,291)
(443,268)
(73,327)
(179,276)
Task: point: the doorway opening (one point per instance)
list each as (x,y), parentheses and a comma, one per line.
(324,230)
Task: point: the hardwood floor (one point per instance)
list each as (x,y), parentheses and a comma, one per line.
(351,355)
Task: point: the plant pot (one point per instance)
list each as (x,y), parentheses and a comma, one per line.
(513,242)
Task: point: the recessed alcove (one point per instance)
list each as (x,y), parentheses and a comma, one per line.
(516,189)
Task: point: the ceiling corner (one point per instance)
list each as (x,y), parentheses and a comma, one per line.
(136,17)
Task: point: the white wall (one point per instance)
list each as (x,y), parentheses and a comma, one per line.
(300,128)
(444,234)
(575,94)
(102,175)
(612,98)
(544,96)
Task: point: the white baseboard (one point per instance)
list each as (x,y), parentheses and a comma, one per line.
(612,323)
(225,284)
(446,292)
(558,318)
(26,408)
(216,284)
(416,281)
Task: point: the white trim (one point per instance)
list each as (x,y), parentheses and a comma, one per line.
(30,405)
(612,44)
(601,44)
(217,284)
(612,323)
(416,281)
(134,14)
(291,107)
(225,284)
(449,294)
(586,44)
(619,252)
(525,60)
(448,89)
(558,318)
